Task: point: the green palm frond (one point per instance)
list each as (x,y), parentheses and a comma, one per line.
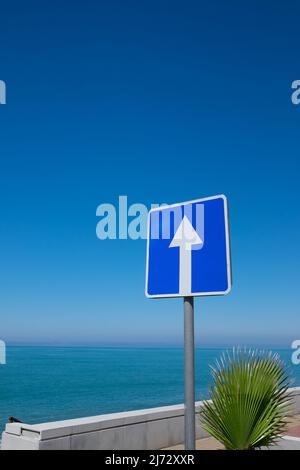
(248,401)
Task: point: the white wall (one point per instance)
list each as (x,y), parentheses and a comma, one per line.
(150,429)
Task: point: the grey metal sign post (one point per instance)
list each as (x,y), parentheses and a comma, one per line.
(189,374)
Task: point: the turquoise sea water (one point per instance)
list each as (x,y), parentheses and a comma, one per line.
(51,383)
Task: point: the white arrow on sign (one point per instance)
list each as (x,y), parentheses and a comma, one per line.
(184,238)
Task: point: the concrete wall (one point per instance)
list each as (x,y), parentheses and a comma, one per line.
(150,429)
(287,443)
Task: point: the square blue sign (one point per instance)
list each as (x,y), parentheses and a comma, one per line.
(188,252)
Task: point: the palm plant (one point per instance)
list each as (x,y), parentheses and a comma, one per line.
(249,400)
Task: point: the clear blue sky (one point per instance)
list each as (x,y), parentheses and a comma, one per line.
(164,102)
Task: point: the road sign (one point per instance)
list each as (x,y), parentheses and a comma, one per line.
(188,254)
(188,251)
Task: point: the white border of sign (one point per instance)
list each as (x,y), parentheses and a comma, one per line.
(228,254)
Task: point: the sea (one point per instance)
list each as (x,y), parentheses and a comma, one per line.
(39,384)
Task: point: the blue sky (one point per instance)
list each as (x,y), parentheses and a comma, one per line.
(162,102)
